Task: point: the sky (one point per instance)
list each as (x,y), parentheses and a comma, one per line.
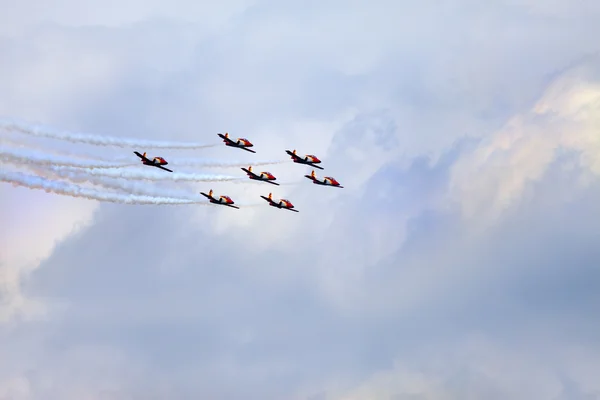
(460,261)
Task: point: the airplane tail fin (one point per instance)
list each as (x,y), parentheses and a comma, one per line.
(210,192)
(250,168)
(144,154)
(294,151)
(226,134)
(270,196)
(312,173)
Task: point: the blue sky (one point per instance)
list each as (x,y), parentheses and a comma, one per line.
(460,261)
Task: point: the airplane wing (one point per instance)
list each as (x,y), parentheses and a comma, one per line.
(247,149)
(271,182)
(291,209)
(292,154)
(324,184)
(225,138)
(141,156)
(205,195)
(333,186)
(250,173)
(316,166)
(161,167)
(231,205)
(266,198)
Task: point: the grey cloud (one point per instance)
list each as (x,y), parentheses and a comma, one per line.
(198,316)
(187,302)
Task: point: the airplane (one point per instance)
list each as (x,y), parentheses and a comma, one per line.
(240,143)
(157,162)
(308,159)
(327,181)
(222,200)
(263,176)
(283,203)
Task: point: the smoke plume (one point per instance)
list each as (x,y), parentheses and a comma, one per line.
(36,182)
(98,140)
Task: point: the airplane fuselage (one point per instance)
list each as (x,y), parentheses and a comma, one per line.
(281,204)
(240,143)
(327,181)
(158,162)
(263,176)
(155,161)
(222,200)
(306,160)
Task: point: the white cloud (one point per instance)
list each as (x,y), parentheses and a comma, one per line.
(564,119)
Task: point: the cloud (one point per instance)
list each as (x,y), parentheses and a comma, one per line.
(564,119)
(479,369)
(459,261)
(30,239)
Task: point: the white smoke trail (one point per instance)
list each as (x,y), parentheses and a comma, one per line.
(148,175)
(36,182)
(133,187)
(9,142)
(27,157)
(124,160)
(201,162)
(98,140)
(137,188)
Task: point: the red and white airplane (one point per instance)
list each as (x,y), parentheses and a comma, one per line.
(307,159)
(263,176)
(240,143)
(157,162)
(222,200)
(282,203)
(327,181)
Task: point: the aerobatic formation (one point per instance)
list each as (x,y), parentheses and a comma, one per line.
(51,171)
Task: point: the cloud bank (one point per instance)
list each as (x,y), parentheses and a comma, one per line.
(460,261)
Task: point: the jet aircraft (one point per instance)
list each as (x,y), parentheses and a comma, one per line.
(157,162)
(263,176)
(222,200)
(240,143)
(282,203)
(308,159)
(327,181)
